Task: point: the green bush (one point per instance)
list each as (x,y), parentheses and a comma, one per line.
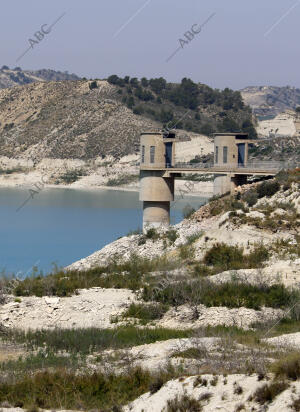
(223,256)
(268,392)
(152,234)
(145,313)
(67,390)
(230,294)
(188,211)
(184,404)
(288,367)
(268,189)
(186,251)
(172,235)
(71,176)
(129,275)
(122,180)
(202,271)
(89,340)
(250,197)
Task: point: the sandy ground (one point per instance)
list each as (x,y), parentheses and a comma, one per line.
(225,394)
(90,308)
(282,125)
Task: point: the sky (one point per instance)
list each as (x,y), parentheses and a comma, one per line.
(236,43)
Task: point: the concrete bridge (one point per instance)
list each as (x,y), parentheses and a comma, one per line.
(158,170)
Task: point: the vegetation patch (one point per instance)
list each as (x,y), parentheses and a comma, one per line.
(268,392)
(184,404)
(70,176)
(224,257)
(42,360)
(125,179)
(230,294)
(129,275)
(168,103)
(288,367)
(146,312)
(68,390)
(86,341)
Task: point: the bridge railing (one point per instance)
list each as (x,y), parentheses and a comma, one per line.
(253,165)
(274,166)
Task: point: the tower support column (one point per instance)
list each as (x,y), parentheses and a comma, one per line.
(156,214)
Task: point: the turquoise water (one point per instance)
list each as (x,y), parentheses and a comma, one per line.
(63,225)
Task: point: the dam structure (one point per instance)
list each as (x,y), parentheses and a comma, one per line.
(158,170)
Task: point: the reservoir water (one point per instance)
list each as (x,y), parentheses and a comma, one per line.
(60,226)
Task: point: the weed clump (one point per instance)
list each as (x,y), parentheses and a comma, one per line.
(68,390)
(89,340)
(268,189)
(268,392)
(146,313)
(225,257)
(288,367)
(184,404)
(230,294)
(129,275)
(122,180)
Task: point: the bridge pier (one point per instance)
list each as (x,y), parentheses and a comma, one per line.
(237,180)
(222,184)
(156,193)
(227,183)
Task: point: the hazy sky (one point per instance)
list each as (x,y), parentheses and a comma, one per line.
(235,48)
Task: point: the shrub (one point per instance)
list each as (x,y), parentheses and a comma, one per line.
(202,271)
(224,256)
(129,275)
(268,392)
(172,235)
(68,390)
(296,405)
(250,197)
(186,252)
(156,385)
(89,340)
(268,189)
(230,294)
(146,313)
(122,180)
(191,239)
(288,367)
(71,176)
(152,234)
(184,404)
(188,211)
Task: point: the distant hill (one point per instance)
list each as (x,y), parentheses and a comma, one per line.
(18,77)
(85,119)
(268,101)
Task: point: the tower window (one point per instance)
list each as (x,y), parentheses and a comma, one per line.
(152,154)
(143,154)
(217,154)
(225,154)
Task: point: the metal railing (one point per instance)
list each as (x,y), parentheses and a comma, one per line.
(252,165)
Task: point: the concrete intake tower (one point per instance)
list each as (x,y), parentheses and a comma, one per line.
(156,186)
(158,170)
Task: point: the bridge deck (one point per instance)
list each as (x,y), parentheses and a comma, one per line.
(215,170)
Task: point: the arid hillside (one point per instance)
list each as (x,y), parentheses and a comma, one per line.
(67,120)
(270,100)
(86,119)
(18,77)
